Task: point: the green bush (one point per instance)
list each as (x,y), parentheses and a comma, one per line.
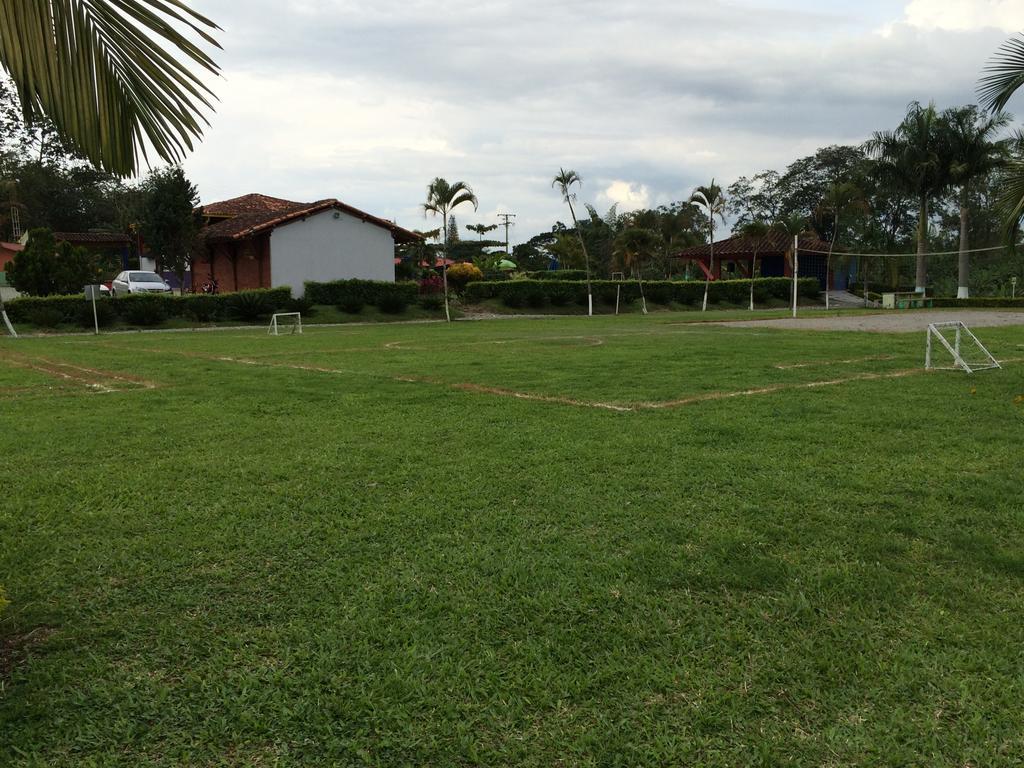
(392,303)
(105,313)
(302,304)
(993,302)
(536,298)
(249,305)
(139,309)
(46,316)
(203,307)
(338,292)
(557,274)
(513,299)
(353,305)
(431,301)
(518,293)
(148,309)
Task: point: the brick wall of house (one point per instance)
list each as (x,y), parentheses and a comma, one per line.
(247,259)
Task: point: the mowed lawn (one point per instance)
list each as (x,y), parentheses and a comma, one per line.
(608,541)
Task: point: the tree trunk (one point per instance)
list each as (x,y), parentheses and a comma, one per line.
(586,259)
(444,266)
(922,247)
(963,290)
(711,267)
(753,276)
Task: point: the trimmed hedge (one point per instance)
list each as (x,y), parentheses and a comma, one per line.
(351,292)
(144,309)
(994,302)
(519,293)
(557,274)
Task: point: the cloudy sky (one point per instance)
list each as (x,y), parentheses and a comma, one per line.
(367,102)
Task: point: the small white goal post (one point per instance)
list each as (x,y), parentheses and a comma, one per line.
(967,353)
(292,320)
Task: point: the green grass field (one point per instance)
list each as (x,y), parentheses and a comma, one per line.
(610,541)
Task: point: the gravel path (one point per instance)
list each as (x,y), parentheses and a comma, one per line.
(892,321)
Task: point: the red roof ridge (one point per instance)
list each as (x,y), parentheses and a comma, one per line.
(249,223)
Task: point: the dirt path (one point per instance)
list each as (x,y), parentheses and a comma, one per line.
(892,321)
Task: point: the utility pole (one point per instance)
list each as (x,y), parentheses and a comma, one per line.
(506,219)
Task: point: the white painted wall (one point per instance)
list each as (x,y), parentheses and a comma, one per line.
(330,245)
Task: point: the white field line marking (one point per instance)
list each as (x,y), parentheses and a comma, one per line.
(818,363)
(560,400)
(144,383)
(49,371)
(771,389)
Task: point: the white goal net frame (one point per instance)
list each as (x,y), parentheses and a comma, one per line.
(968,353)
(275,324)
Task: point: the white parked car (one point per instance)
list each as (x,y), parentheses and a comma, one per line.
(133,281)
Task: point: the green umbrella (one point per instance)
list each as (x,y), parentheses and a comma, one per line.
(505,264)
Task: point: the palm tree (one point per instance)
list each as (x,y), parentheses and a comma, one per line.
(564,181)
(634,246)
(442,197)
(105,73)
(711,199)
(792,226)
(914,158)
(840,199)
(755,231)
(974,152)
(1005,76)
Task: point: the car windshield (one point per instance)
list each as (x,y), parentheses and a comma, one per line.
(145,277)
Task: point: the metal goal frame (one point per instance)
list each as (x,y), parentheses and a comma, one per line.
(960,362)
(274,329)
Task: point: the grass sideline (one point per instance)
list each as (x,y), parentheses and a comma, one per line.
(429,544)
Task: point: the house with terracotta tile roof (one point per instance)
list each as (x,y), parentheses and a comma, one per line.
(734,258)
(257,241)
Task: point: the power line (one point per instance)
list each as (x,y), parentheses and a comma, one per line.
(506,219)
(904,255)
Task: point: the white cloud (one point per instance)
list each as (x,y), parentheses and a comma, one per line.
(963,15)
(629,196)
(334,98)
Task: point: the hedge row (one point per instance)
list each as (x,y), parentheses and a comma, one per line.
(150,309)
(353,292)
(536,293)
(981,301)
(557,274)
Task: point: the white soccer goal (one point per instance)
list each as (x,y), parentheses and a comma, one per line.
(290,321)
(967,353)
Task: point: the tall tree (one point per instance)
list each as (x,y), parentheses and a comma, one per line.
(841,199)
(974,151)
(169,222)
(1005,75)
(108,74)
(442,198)
(914,157)
(46,267)
(564,182)
(711,199)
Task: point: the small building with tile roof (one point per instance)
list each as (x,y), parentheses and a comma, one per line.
(258,241)
(734,257)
